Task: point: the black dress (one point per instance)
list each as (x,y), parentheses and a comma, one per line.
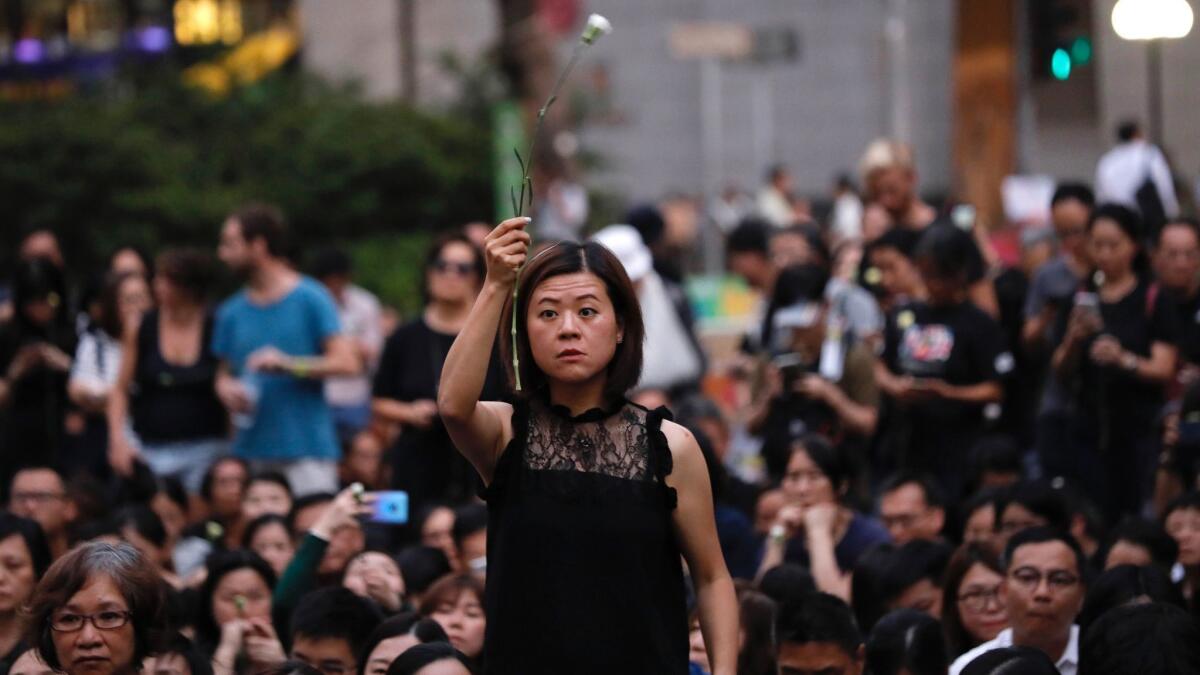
(584,573)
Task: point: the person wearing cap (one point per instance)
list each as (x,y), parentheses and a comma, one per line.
(820,379)
(672,360)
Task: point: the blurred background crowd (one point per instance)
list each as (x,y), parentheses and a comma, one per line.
(942,360)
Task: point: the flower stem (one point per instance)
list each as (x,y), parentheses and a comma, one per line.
(527,183)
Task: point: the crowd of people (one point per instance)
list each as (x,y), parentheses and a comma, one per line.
(919,459)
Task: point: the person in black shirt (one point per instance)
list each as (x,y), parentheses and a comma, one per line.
(1116,355)
(36,346)
(166,382)
(942,365)
(424,462)
(1177,262)
(591,499)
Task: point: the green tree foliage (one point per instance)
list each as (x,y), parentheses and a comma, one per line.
(156,164)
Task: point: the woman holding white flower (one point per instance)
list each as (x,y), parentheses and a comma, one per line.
(592,499)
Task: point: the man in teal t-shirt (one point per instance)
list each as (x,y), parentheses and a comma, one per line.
(277,339)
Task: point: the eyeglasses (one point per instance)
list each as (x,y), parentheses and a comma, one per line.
(1030,578)
(70,623)
(977,600)
(460,268)
(328,667)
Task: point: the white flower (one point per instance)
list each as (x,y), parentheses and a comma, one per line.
(597,25)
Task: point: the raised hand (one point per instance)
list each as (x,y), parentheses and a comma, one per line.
(505,249)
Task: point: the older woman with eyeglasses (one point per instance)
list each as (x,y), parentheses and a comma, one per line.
(96,611)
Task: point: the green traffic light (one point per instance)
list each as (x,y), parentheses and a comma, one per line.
(1060,64)
(1081,51)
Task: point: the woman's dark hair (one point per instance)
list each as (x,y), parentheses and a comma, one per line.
(787,583)
(830,459)
(219,564)
(1073,191)
(818,617)
(421,566)
(198,663)
(1125,584)
(144,521)
(172,488)
(273,477)
(757,655)
(447,590)
(1131,224)
(900,239)
(1148,639)
(990,496)
(1040,499)
(110,302)
(1162,547)
(188,269)
(206,485)
(416,658)
(948,250)
(883,573)
(569,258)
(31,533)
(478,265)
(262,521)
(795,283)
(335,612)
(137,580)
(1011,661)
(958,640)
(40,279)
(405,623)
(906,641)
(1189,501)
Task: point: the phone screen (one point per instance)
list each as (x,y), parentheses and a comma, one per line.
(391,507)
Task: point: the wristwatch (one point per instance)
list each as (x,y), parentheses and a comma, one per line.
(777,534)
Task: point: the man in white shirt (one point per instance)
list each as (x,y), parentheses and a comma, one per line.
(775,199)
(1123,170)
(1044,590)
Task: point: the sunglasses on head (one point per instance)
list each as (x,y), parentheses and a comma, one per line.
(460,268)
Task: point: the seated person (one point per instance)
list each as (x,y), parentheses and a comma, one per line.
(818,635)
(330,627)
(890,577)
(1043,589)
(815,528)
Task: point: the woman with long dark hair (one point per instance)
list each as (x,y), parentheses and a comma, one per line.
(35,357)
(424,461)
(1115,357)
(591,498)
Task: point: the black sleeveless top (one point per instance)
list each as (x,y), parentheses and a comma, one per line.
(171,403)
(584,573)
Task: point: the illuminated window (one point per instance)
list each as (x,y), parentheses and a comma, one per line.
(202,22)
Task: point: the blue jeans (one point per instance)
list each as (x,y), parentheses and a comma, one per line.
(186,460)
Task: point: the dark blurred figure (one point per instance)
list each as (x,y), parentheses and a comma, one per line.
(36,348)
(906,642)
(1147,639)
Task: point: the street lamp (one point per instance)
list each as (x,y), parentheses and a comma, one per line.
(1153,21)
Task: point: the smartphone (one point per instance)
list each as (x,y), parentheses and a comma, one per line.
(1089,303)
(391,507)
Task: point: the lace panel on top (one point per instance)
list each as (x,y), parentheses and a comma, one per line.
(614,446)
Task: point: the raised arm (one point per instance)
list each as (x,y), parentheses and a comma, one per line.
(481,429)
